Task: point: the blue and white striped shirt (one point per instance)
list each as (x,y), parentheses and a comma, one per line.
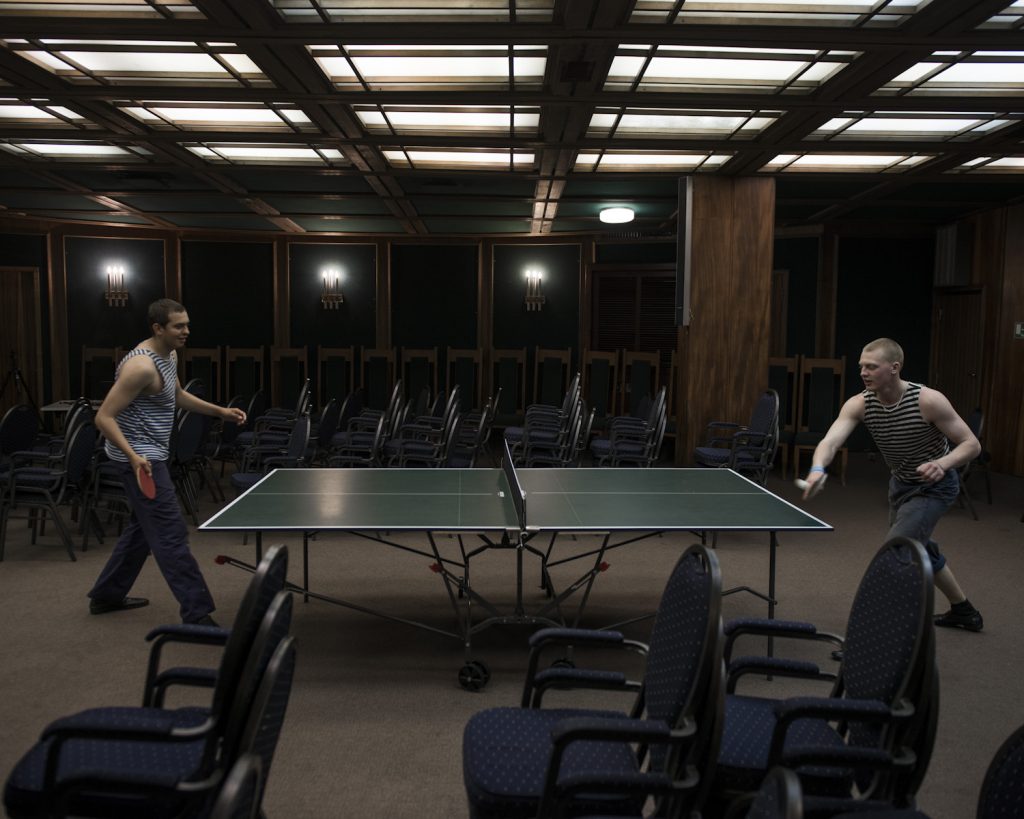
(148,420)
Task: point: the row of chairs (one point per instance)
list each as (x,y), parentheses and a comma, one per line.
(154,760)
(559,435)
(691,741)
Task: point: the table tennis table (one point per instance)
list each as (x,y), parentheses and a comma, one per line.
(507,508)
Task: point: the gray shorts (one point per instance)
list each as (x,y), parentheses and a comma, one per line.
(915,509)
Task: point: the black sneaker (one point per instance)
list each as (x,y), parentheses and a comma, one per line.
(969,621)
(204,621)
(107,606)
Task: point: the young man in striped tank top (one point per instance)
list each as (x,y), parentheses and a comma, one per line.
(136,419)
(913,427)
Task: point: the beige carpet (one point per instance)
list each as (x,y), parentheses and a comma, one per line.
(374,726)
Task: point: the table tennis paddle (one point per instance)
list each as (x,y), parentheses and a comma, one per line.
(146,484)
(802,485)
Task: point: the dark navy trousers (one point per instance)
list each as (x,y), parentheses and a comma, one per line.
(156,526)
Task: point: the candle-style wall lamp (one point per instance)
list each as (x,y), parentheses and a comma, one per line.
(116,293)
(331,296)
(534,296)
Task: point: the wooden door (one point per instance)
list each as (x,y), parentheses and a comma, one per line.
(21,337)
(957,344)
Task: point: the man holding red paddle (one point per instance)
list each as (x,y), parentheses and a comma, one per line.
(136,418)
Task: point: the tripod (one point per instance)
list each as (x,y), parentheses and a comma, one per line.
(14,376)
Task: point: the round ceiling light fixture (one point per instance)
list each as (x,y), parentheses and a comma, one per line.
(616,216)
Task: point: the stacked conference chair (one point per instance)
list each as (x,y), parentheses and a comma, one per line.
(18,431)
(534,761)
(543,422)
(362,440)
(747,449)
(160,762)
(1001,796)
(471,436)
(566,449)
(871,737)
(42,489)
(261,459)
(424,440)
(322,431)
(633,441)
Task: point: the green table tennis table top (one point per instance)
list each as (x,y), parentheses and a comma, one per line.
(481,500)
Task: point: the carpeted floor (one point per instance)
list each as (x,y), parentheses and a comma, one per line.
(375,721)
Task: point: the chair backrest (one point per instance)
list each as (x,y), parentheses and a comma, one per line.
(1002,791)
(765,416)
(273,630)
(229,429)
(888,653)
(298,439)
(78,456)
(779,797)
(328,424)
(266,582)
(239,795)
(257,406)
(684,663)
(188,439)
(18,429)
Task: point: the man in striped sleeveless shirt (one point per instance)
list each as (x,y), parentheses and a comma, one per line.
(136,419)
(913,427)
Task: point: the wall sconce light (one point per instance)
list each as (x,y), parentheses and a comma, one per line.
(616,216)
(331,296)
(116,293)
(534,296)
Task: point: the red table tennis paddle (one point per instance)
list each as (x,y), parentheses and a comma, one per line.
(146,484)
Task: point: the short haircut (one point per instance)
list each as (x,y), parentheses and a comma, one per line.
(888,348)
(160,311)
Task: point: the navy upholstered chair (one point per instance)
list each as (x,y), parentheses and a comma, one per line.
(158,762)
(747,449)
(876,727)
(779,797)
(544,422)
(633,441)
(538,761)
(239,795)
(260,460)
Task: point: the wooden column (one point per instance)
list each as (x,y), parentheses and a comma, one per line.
(723,354)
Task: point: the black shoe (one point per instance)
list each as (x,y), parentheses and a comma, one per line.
(969,621)
(106,606)
(204,621)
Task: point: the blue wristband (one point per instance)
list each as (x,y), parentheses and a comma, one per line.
(817,469)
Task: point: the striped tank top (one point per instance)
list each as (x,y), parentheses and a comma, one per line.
(905,439)
(147,421)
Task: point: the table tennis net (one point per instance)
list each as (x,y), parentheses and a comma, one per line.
(516,488)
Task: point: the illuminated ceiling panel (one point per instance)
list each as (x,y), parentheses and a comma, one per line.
(468,158)
(878,163)
(947,73)
(268,154)
(448,11)
(679,68)
(937,126)
(125,9)
(238,116)
(428,67)
(129,61)
(639,122)
(617,161)
(440,120)
(779,12)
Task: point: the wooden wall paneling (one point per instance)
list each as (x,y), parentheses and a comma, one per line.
(57,293)
(289,370)
(383,339)
(21,338)
(825,307)
(731,262)
(172,266)
(1004,410)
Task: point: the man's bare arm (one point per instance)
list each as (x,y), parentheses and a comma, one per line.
(850,415)
(935,408)
(194,403)
(137,375)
